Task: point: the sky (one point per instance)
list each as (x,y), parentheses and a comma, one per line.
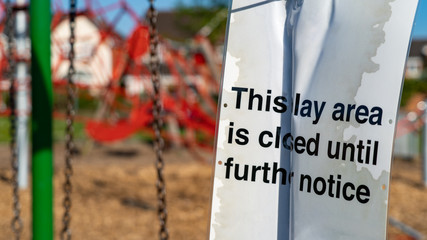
(140,6)
(420,29)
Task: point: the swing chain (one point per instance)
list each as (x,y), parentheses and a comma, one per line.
(68,171)
(16,223)
(157,124)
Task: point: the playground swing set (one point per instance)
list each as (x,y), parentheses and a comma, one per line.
(42,166)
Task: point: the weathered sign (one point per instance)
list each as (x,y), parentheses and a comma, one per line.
(309,100)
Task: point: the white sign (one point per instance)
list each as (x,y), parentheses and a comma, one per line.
(309,100)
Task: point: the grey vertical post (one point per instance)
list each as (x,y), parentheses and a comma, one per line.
(424,150)
(22,98)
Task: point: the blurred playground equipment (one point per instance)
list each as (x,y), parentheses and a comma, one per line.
(113,70)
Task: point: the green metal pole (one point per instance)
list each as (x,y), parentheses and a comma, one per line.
(41,120)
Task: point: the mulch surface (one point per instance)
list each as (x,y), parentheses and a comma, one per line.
(114,194)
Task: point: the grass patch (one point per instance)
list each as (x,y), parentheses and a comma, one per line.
(59,127)
(4,130)
(58,130)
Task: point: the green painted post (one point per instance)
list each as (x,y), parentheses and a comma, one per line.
(41,85)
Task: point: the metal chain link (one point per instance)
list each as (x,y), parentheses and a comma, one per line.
(157,124)
(16,223)
(68,171)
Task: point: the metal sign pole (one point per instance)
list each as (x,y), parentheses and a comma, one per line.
(424,150)
(22,95)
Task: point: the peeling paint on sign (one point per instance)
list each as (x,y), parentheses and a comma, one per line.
(308,109)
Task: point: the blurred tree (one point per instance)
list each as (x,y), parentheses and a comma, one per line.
(412,87)
(206,17)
